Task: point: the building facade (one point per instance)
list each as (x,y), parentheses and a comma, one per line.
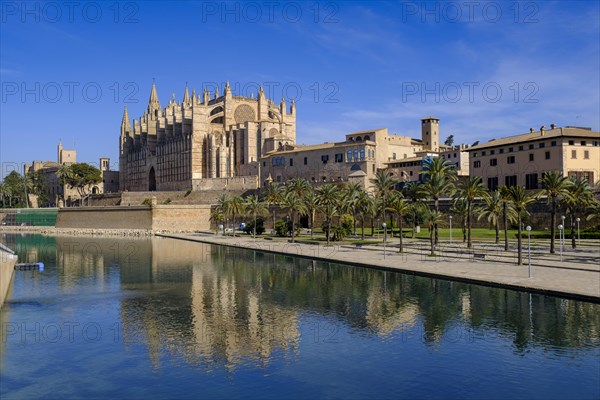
(523,159)
(202,142)
(55,193)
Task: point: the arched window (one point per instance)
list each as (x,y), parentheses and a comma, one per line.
(355,167)
(358,139)
(367,137)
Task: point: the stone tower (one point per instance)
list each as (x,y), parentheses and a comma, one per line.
(430,133)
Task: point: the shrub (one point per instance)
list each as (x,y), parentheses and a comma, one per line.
(284,228)
(167,201)
(147,202)
(260,226)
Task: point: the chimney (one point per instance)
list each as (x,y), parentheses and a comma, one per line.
(552,126)
(530,130)
(542,129)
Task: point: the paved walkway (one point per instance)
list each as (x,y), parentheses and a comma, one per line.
(568,278)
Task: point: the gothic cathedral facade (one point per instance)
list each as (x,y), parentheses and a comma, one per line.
(202,142)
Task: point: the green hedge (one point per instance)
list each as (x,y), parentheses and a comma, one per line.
(582,235)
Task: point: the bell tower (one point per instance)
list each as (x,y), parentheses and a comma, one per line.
(430,133)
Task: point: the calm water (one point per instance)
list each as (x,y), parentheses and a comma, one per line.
(158,318)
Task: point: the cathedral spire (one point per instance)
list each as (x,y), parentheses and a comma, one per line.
(261,92)
(216,92)
(125,125)
(227,89)
(186,95)
(153,96)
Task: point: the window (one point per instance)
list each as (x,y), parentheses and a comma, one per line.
(493,162)
(454,155)
(531,147)
(573,153)
(542,145)
(501,151)
(510,159)
(362,155)
(305,160)
(553,143)
(349,155)
(531,181)
(410,173)
(291,162)
(530,156)
(325,158)
(474,154)
(264,163)
(483,153)
(571,142)
(510,180)
(586,154)
(510,149)
(493,183)
(547,155)
(493,152)
(393,156)
(583,143)
(477,164)
(520,148)
(339,157)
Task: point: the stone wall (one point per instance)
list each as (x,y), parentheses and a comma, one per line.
(160,217)
(7,269)
(230,184)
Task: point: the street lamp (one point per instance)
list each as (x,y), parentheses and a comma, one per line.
(529,247)
(578,238)
(384,225)
(450,217)
(560,236)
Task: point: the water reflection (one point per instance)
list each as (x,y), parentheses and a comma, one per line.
(217,306)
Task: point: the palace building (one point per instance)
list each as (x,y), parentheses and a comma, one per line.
(524,159)
(202,143)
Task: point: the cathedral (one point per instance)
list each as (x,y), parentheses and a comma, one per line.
(202,142)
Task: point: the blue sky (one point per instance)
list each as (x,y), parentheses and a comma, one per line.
(486,69)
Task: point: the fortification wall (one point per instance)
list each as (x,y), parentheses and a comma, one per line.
(7,270)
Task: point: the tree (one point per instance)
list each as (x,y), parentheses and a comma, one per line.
(520,200)
(399,207)
(580,196)
(81,177)
(449,141)
(273,194)
(216,215)
(593,211)
(312,205)
(328,198)
(413,193)
(471,189)
(505,213)
(364,204)
(255,207)
(433,218)
(384,183)
(222,210)
(235,206)
(295,206)
(494,209)
(436,187)
(351,198)
(460,208)
(556,187)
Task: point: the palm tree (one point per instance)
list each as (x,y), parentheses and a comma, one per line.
(433,218)
(593,210)
(556,187)
(328,198)
(520,200)
(235,206)
(222,208)
(439,166)
(399,207)
(273,194)
(364,205)
(312,205)
(471,189)
(350,197)
(495,207)
(413,193)
(506,205)
(384,183)
(460,208)
(295,206)
(580,196)
(216,215)
(255,207)
(434,188)
(299,186)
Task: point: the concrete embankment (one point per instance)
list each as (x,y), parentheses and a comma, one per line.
(7,270)
(567,281)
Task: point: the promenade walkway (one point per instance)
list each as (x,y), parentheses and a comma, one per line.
(577,276)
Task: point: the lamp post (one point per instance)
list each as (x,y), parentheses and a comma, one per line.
(578,238)
(450,217)
(560,235)
(384,225)
(529,247)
